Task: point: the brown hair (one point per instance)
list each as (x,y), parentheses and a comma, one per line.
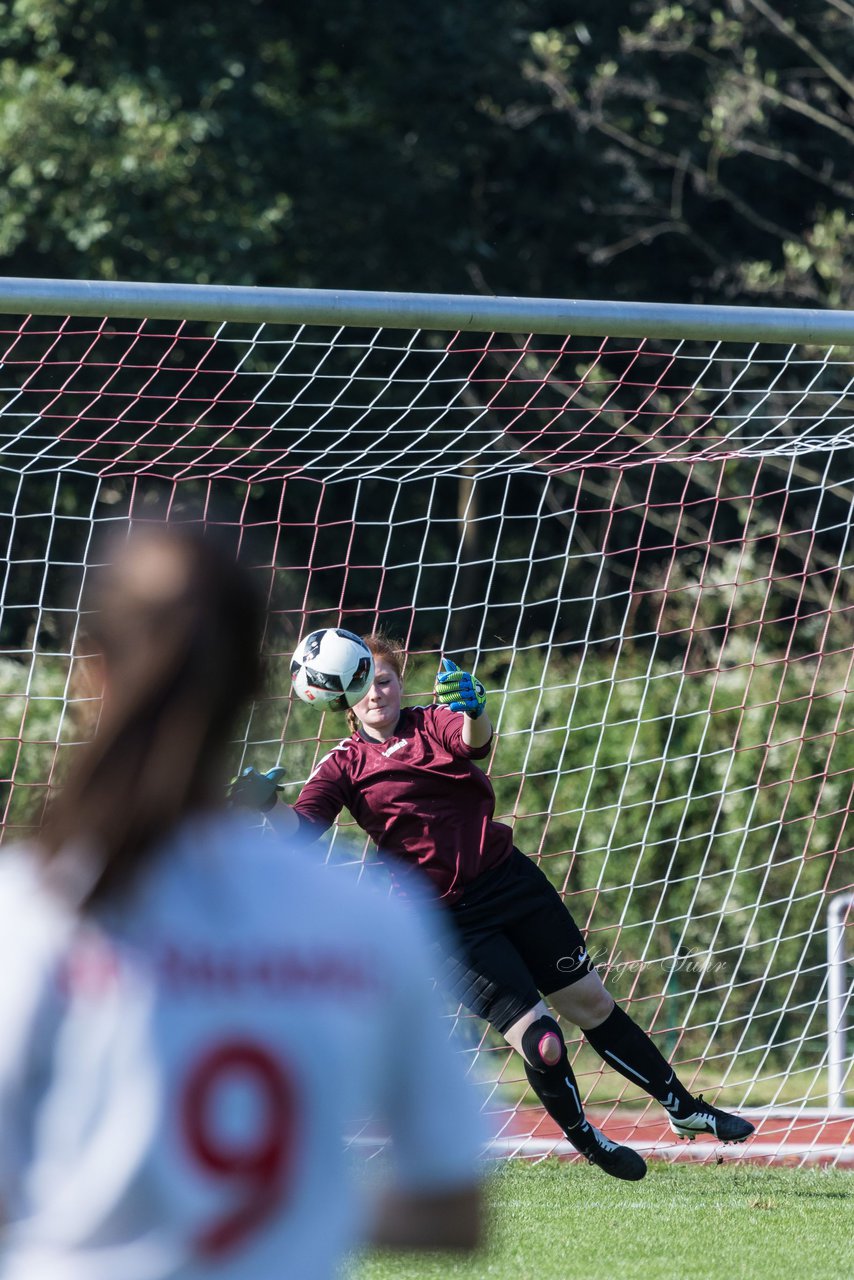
(381,646)
(178,627)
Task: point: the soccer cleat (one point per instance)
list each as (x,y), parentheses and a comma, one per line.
(708,1119)
(620,1162)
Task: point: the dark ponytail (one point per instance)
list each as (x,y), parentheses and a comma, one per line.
(178,626)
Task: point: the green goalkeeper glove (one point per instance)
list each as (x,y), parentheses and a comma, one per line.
(459,690)
(254,790)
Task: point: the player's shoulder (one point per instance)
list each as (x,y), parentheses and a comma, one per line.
(32,919)
(338,758)
(433,718)
(20,879)
(424,713)
(368,915)
(341,900)
(266,872)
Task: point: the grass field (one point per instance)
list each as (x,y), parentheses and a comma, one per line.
(561,1221)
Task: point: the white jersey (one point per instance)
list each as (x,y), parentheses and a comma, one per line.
(175,1079)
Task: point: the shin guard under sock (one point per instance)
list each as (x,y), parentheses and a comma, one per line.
(552,1081)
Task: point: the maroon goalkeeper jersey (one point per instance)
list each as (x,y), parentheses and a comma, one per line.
(418,795)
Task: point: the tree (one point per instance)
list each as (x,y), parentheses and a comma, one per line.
(727,130)
(643,149)
(258,144)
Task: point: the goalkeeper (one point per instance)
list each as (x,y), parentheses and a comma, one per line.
(409,778)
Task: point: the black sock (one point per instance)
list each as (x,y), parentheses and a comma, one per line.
(627,1048)
(557,1090)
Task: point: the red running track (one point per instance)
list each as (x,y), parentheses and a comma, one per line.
(783,1136)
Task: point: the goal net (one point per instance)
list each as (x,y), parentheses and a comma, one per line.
(644,548)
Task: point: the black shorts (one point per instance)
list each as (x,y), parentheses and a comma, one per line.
(511,940)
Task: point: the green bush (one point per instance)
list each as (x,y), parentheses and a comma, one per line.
(34,728)
(689,820)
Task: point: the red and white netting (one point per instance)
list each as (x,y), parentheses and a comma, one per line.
(644,548)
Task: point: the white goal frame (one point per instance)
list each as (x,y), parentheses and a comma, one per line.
(222,304)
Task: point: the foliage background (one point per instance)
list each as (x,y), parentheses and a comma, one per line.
(638,149)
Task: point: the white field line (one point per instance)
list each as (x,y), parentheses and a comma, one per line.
(694,1150)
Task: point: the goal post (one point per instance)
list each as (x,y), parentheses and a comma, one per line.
(634,520)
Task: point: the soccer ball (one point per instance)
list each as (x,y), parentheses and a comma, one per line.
(332,668)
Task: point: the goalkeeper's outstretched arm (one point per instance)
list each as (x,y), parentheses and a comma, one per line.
(318,805)
(461,691)
(283,819)
(259,792)
(476,733)
(286,821)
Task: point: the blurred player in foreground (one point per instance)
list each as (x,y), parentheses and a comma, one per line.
(409,779)
(189,1020)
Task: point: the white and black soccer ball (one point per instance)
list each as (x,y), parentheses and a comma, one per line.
(332,669)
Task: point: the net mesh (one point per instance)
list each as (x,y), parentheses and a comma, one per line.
(643,547)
